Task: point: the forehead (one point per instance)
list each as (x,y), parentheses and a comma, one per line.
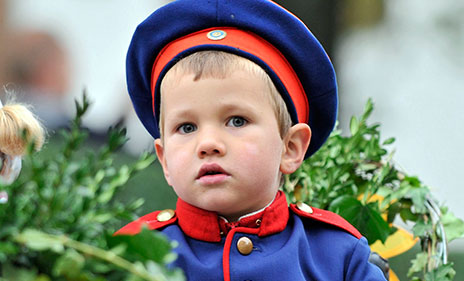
(239,88)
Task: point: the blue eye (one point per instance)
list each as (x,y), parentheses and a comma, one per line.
(237,121)
(187,128)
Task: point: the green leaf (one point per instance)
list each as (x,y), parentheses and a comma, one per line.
(419,196)
(422,228)
(454,226)
(388,141)
(11,273)
(368,108)
(7,248)
(354,125)
(407,215)
(69,265)
(413,181)
(136,204)
(367,166)
(364,217)
(39,241)
(158,251)
(442,273)
(418,264)
(102,218)
(144,161)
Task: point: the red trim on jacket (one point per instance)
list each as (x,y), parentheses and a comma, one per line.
(327,217)
(150,220)
(228,246)
(208,226)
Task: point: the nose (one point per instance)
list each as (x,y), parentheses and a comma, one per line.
(210,144)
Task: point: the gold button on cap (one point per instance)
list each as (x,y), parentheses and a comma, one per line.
(304,207)
(244,246)
(165,215)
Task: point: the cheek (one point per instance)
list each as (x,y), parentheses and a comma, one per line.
(251,149)
(177,159)
(265,153)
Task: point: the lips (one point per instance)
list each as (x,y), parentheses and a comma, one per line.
(211,169)
(211,173)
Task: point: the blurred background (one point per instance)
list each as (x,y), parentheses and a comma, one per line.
(406,54)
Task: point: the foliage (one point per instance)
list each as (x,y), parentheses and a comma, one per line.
(356,177)
(61,214)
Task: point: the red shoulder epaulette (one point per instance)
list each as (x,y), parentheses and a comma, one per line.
(327,217)
(151,220)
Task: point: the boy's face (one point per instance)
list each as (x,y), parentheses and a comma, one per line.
(221,148)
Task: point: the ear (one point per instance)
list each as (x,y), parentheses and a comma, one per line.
(162,159)
(296,142)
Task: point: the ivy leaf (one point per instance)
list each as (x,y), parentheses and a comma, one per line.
(418,263)
(364,217)
(454,227)
(444,272)
(406,214)
(422,228)
(419,196)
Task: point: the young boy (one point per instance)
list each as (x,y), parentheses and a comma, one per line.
(237,93)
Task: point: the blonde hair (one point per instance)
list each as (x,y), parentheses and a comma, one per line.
(19,127)
(218,64)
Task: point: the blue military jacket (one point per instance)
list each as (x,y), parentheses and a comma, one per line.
(279,243)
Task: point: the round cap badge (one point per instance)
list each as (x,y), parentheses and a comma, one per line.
(216,35)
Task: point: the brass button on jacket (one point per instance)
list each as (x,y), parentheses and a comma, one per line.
(165,215)
(304,207)
(244,246)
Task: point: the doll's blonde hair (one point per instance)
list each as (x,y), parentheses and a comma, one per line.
(19,127)
(218,64)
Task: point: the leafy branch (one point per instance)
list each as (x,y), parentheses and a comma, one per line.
(62,212)
(71,263)
(356,177)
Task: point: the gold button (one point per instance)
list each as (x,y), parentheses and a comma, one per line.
(244,246)
(165,215)
(304,207)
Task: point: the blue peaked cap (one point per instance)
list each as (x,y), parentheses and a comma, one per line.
(262,17)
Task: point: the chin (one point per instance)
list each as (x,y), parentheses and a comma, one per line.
(219,205)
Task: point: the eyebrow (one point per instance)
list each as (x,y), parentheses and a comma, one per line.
(178,113)
(235,106)
(227,106)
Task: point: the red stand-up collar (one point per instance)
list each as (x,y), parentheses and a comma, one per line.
(208,226)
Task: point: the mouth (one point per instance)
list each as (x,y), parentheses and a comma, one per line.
(211,170)
(211,173)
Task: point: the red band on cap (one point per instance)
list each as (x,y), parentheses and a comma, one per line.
(247,42)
